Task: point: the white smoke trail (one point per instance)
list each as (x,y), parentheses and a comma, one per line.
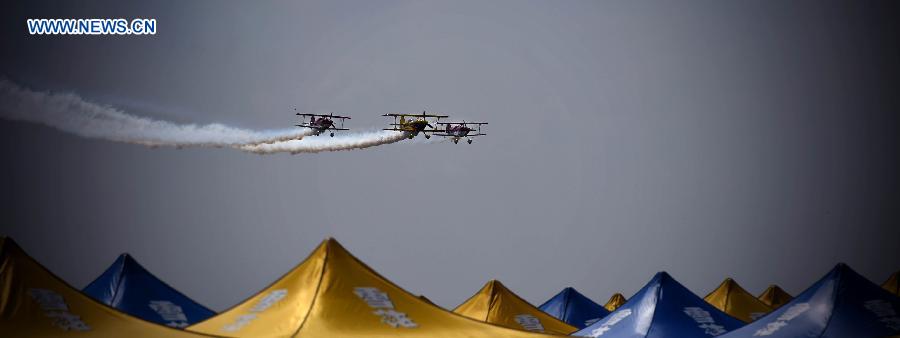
(316,144)
(70,113)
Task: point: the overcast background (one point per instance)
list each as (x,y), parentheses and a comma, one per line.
(750,139)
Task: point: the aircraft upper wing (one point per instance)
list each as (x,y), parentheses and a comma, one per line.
(324,115)
(417,115)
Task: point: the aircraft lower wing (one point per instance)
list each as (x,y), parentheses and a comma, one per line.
(451,135)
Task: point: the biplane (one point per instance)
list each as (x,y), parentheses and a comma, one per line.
(458,130)
(417,123)
(320,123)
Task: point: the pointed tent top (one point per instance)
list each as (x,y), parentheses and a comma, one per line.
(572,307)
(334,294)
(661,275)
(130,288)
(496,304)
(663,308)
(775,296)
(734,300)
(892,285)
(33,294)
(840,304)
(614,302)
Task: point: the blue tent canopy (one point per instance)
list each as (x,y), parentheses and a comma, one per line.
(130,288)
(841,304)
(663,309)
(574,308)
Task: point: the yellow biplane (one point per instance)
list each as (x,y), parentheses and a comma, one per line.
(415,124)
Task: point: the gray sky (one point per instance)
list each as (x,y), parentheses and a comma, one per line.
(710,139)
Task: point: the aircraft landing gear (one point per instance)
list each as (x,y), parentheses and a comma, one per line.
(470,141)
(427,136)
(332,134)
(455,141)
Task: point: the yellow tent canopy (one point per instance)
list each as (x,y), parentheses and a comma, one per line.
(332,295)
(732,299)
(615,302)
(775,297)
(891,284)
(36,303)
(496,304)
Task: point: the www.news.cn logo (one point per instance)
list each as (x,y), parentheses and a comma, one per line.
(91,26)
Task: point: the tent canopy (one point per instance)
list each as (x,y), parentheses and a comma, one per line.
(496,304)
(36,303)
(775,297)
(130,288)
(663,308)
(333,294)
(841,304)
(572,307)
(892,285)
(615,302)
(732,299)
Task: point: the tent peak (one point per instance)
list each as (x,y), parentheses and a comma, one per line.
(842,267)
(127,264)
(330,243)
(774,296)
(662,277)
(494,282)
(494,286)
(775,288)
(127,259)
(569,292)
(729,284)
(616,300)
(734,300)
(8,242)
